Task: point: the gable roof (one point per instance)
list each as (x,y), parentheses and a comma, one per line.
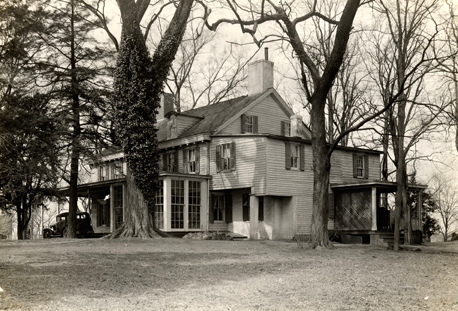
(212,116)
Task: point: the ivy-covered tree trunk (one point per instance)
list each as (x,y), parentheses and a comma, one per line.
(139,82)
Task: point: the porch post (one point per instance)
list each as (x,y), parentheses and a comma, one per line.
(254,201)
(374,208)
(112,212)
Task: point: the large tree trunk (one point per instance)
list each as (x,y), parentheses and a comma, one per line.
(321,172)
(138,220)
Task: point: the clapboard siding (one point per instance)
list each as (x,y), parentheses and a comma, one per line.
(342,167)
(285,182)
(250,168)
(269,114)
(184,123)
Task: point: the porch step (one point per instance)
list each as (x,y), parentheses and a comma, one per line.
(387,239)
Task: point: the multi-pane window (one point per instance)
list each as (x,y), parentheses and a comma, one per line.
(103,214)
(159,212)
(226,157)
(177,206)
(191,158)
(286,128)
(295,154)
(249,124)
(118,206)
(111,171)
(218,207)
(194,205)
(360,166)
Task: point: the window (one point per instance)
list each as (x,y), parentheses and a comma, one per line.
(286,128)
(360,165)
(103,213)
(246,206)
(159,212)
(194,205)
(170,161)
(225,157)
(249,124)
(219,207)
(294,156)
(191,160)
(177,213)
(117,170)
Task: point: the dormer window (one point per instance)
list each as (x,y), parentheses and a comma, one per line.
(249,124)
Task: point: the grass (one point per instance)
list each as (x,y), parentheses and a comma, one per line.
(179,274)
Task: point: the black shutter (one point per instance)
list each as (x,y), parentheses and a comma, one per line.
(175,162)
(287,155)
(283,128)
(228,207)
(164,162)
(197,160)
(366,166)
(233,152)
(243,123)
(302,157)
(218,158)
(185,160)
(255,124)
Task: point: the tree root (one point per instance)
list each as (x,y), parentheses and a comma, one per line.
(142,233)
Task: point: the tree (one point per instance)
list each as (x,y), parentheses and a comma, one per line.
(75,68)
(317,79)
(446,197)
(406,63)
(139,83)
(28,154)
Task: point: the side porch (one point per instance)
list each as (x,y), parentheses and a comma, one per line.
(363,213)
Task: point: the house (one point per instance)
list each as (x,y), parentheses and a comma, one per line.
(244,166)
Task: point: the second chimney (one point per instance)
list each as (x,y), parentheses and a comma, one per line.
(260,75)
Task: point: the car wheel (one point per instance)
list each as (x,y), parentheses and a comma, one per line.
(65,233)
(47,234)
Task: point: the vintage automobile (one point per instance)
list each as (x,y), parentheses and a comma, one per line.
(83,226)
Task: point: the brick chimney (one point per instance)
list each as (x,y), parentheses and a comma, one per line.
(166,106)
(296,126)
(260,75)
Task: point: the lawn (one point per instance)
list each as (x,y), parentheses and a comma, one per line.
(179,274)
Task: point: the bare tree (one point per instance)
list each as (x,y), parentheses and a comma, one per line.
(405,64)
(446,197)
(316,81)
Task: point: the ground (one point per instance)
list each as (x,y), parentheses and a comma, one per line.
(179,274)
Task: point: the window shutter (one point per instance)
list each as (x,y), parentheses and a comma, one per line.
(218,158)
(287,155)
(185,160)
(255,124)
(366,166)
(331,206)
(164,162)
(283,128)
(302,158)
(233,156)
(175,161)
(355,165)
(197,160)
(243,123)
(228,207)
(211,213)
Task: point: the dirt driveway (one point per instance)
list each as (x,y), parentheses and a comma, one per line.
(177,274)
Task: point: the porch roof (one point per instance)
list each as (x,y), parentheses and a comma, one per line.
(83,190)
(382,186)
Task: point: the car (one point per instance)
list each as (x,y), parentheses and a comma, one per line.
(83,226)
